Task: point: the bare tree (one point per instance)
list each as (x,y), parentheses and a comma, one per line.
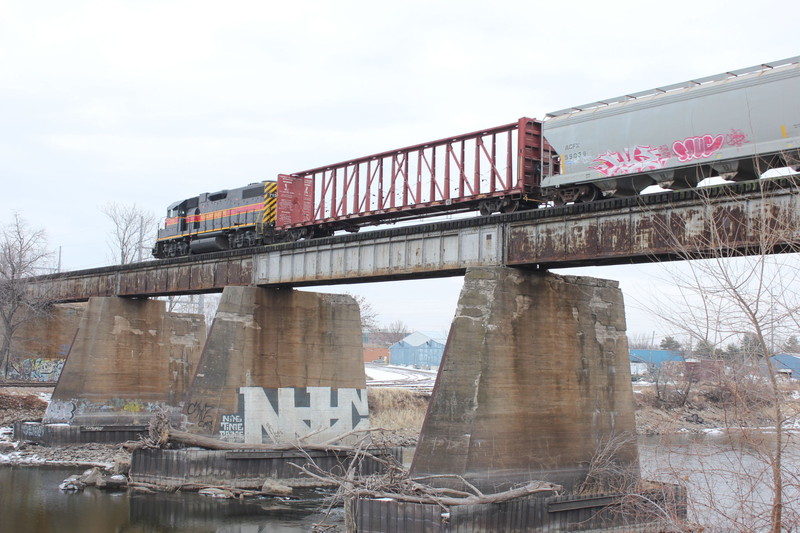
(22,253)
(133,232)
(202,304)
(396,331)
(369,317)
(640,341)
(742,290)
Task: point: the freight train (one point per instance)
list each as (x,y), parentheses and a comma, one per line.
(734,126)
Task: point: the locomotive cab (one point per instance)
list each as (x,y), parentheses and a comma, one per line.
(177,212)
(169,242)
(209,222)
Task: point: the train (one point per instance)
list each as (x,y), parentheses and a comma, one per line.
(733,126)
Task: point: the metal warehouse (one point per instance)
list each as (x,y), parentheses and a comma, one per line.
(418,349)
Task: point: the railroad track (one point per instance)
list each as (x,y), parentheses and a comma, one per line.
(381,375)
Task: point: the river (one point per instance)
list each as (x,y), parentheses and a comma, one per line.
(728,478)
(728,483)
(31,502)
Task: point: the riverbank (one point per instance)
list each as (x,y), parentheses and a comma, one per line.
(400,410)
(29,403)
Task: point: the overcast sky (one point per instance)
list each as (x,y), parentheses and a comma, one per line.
(151,101)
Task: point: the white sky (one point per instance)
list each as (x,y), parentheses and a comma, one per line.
(150,101)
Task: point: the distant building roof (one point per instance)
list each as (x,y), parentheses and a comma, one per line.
(418,349)
(654,357)
(418,338)
(790,361)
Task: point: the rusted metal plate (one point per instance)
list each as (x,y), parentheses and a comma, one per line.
(724,225)
(133,282)
(181,278)
(202,277)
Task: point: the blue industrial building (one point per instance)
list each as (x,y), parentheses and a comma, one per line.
(654,358)
(788,363)
(419,350)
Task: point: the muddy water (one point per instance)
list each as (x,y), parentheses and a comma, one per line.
(31,502)
(728,483)
(728,477)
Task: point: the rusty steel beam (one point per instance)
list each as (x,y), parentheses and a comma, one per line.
(751,217)
(153,278)
(714,222)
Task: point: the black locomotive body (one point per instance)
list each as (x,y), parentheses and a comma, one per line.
(232,218)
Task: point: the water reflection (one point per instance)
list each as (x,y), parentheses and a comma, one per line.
(728,481)
(30,501)
(728,477)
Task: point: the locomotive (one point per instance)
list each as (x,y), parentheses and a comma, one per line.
(734,126)
(235,218)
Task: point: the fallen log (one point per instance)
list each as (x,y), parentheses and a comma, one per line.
(411,491)
(190,439)
(534,487)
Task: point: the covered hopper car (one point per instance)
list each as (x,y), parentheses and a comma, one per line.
(735,126)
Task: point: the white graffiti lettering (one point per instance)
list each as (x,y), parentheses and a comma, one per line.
(282,415)
(640,158)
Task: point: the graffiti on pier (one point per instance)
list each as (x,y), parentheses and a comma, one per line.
(200,414)
(231,428)
(35,370)
(281,415)
(60,411)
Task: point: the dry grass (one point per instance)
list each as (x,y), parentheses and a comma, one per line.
(16,407)
(400,410)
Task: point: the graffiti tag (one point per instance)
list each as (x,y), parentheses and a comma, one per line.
(643,158)
(640,158)
(697,147)
(231,428)
(59,412)
(35,369)
(200,414)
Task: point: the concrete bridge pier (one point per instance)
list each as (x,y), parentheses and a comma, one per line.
(280,364)
(40,344)
(534,380)
(130,358)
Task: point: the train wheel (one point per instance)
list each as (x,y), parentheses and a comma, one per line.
(589,193)
(487,207)
(296,234)
(509,206)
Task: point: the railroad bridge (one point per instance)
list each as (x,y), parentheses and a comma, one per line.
(535,373)
(657,227)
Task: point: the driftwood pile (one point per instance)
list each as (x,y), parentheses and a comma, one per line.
(394,482)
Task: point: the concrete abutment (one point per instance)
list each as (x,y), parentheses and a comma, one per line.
(534,380)
(130,358)
(280,364)
(40,344)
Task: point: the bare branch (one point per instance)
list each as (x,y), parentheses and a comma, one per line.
(22,254)
(132,232)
